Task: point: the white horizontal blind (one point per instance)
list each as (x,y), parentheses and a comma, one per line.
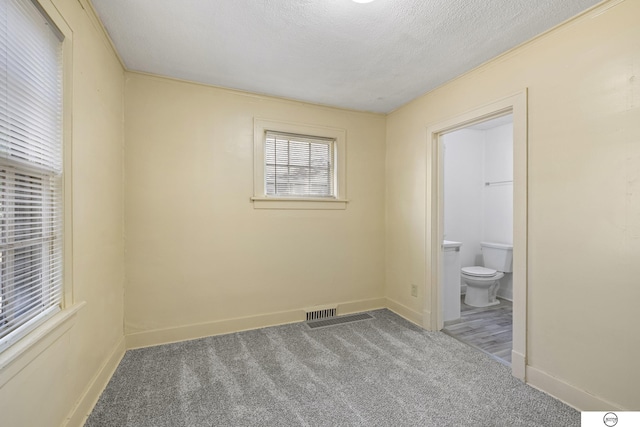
(30,168)
(299,165)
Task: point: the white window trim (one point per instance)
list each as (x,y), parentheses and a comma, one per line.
(24,351)
(50,328)
(47,6)
(263,201)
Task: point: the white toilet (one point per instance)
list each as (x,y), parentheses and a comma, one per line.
(483,282)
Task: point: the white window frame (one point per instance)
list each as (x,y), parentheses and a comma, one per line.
(47,330)
(263,201)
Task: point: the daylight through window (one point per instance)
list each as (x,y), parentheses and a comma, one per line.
(299,165)
(30,169)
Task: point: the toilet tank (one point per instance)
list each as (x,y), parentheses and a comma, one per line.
(498,256)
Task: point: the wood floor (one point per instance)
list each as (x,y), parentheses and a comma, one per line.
(489,329)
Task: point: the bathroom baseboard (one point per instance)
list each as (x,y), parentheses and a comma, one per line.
(452,322)
(573,396)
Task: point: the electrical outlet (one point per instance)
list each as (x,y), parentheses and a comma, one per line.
(414,290)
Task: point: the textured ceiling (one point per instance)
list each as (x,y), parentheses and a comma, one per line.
(372,57)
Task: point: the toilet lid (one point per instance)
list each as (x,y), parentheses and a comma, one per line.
(479,271)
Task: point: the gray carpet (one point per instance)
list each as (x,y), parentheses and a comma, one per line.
(379,372)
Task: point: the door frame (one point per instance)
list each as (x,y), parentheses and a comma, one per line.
(433,303)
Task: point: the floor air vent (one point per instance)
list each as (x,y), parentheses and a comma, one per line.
(321,314)
(339,320)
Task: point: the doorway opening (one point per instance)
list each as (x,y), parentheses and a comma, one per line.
(515,105)
(477,285)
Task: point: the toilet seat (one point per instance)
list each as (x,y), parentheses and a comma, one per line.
(477,271)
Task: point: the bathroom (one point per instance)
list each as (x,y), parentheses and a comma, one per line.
(478,211)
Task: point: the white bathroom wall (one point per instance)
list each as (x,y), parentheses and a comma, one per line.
(463,182)
(497,211)
(474,212)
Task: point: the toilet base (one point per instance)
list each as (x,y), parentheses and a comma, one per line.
(483,295)
(496,302)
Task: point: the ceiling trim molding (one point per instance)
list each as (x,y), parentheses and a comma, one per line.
(87,6)
(254,94)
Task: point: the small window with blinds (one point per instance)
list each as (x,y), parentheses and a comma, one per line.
(298,165)
(31,217)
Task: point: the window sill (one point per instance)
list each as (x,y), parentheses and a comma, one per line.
(23,352)
(298,203)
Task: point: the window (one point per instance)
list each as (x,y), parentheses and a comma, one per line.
(31,233)
(298,166)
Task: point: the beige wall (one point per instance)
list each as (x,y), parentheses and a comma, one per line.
(584,197)
(48,389)
(199,255)
(201,260)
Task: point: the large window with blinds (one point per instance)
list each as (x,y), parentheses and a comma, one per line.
(31,220)
(298,165)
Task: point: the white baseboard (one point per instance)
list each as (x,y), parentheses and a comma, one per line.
(360,306)
(518,365)
(405,312)
(226,326)
(505,297)
(89,398)
(219,327)
(567,393)
(559,389)
(427,323)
